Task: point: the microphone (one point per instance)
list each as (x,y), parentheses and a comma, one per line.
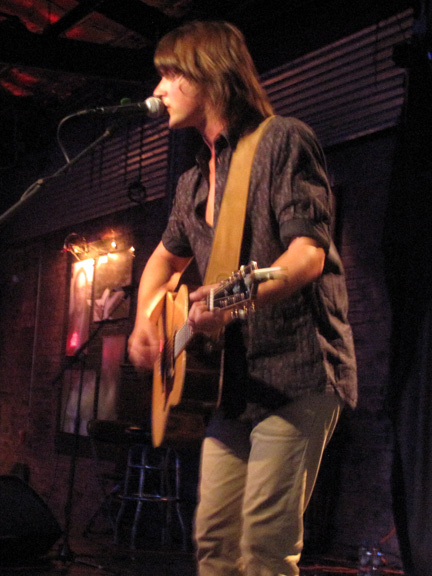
(152,107)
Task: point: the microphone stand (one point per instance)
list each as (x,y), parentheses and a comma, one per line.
(40,183)
(153,107)
(66,554)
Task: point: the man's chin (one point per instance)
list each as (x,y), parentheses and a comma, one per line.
(177,124)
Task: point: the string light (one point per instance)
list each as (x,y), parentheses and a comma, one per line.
(76,245)
(106,246)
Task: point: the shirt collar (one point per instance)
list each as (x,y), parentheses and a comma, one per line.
(203,156)
(227,138)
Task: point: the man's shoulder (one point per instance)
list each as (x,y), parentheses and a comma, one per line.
(289,125)
(288,132)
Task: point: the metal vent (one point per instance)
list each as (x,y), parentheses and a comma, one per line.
(347,89)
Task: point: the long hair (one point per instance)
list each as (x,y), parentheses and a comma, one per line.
(214,56)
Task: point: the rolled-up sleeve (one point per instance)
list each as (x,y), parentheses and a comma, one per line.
(300,190)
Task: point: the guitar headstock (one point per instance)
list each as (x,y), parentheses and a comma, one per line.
(239,290)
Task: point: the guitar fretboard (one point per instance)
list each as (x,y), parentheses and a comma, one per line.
(181,339)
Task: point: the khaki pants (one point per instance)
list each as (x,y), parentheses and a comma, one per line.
(256,481)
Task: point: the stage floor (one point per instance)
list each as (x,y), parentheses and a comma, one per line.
(96,554)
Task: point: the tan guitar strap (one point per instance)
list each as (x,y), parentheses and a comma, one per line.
(225,254)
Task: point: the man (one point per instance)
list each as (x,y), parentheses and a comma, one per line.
(289,367)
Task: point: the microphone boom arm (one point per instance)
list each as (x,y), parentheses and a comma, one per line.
(34,188)
(152,107)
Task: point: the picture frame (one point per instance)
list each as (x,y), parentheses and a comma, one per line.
(113,277)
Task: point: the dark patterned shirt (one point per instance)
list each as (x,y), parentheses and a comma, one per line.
(300,344)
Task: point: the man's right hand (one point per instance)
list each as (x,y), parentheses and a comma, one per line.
(144,345)
(161,274)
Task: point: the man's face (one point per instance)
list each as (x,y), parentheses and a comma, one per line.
(183,101)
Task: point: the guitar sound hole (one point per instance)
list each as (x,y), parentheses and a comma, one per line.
(166,361)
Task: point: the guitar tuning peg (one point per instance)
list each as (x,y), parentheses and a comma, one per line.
(234,314)
(243,313)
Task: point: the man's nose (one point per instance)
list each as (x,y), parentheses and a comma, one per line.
(159,90)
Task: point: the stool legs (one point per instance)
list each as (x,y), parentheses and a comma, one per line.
(150,464)
(139,496)
(171,496)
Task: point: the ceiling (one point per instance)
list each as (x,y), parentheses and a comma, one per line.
(57,54)
(51,49)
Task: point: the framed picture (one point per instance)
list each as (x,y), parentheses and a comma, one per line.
(74,379)
(80,302)
(113,276)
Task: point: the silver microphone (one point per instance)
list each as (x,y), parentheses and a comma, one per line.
(152,107)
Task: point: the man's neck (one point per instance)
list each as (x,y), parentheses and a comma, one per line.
(212,130)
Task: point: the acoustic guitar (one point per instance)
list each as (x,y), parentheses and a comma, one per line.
(187,376)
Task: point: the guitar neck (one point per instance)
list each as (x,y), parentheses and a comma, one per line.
(236,293)
(184,335)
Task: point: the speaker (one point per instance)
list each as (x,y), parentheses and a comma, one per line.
(28,529)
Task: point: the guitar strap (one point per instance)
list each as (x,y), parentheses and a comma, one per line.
(225,254)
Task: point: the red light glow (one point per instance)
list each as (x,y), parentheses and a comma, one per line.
(15,89)
(73,342)
(23,78)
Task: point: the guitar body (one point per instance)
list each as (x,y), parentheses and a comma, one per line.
(187,377)
(187,385)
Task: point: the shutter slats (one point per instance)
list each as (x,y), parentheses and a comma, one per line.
(347,89)
(98,184)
